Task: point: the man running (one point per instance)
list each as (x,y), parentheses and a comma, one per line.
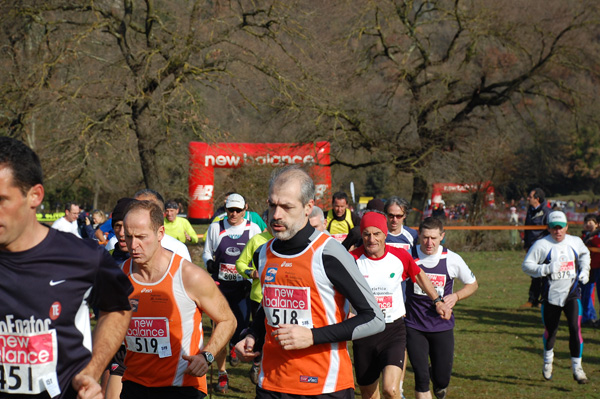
(385,267)
(166,356)
(225,241)
(430,339)
(307,277)
(48,280)
(563,261)
(396,209)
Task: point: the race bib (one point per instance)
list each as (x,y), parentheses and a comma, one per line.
(404,246)
(438,281)
(228,272)
(149,335)
(28,363)
(287,305)
(567,271)
(385,303)
(340,237)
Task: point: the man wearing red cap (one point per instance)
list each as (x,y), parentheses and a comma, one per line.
(385,267)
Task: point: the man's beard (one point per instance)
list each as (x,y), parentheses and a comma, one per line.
(289,232)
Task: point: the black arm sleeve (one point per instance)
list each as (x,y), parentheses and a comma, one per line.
(343,273)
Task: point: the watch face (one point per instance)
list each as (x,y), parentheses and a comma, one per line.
(209,357)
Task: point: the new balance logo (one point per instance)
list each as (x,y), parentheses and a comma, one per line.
(203,192)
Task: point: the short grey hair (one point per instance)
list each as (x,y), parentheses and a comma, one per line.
(293,172)
(317,212)
(401,202)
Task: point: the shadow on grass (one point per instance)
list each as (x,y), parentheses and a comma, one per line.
(506,379)
(501,316)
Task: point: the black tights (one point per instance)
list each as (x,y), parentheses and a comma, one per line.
(551,317)
(437,346)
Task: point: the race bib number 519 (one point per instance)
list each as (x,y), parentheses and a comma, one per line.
(287,305)
(149,335)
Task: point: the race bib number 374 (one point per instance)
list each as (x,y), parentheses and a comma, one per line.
(25,360)
(287,305)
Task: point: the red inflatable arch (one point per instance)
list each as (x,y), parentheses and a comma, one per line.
(204,158)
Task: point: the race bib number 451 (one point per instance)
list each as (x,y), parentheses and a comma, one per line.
(26,360)
(149,335)
(287,305)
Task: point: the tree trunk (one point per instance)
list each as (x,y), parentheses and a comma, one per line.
(419,199)
(148,137)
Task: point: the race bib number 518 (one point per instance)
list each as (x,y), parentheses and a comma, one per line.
(287,305)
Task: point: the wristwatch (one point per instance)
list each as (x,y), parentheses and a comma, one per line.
(209,357)
(438,299)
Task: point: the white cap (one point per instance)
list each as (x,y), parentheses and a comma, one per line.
(557,218)
(235,201)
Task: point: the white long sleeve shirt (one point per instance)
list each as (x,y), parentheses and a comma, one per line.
(574,259)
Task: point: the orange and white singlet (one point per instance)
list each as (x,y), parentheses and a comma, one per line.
(296,290)
(165,325)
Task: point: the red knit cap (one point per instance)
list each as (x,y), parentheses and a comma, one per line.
(373,219)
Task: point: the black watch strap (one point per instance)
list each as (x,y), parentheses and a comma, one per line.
(438,299)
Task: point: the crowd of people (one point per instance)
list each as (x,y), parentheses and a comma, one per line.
(287,293)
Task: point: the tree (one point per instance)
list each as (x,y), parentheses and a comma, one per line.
(134,78)
(427,77)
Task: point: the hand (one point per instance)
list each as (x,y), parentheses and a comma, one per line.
(197,365)
(87,387)
(443,310)
(293,336)
(211,266)
(584,278)
(187,236)
(245,349)
(451,300)
(554,267)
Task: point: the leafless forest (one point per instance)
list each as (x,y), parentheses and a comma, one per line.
(109,92)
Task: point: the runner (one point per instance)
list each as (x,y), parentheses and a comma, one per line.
(48,280)
(385,267)
(166,356)
(430,339)
(563,261)
(224,243)
(306,277)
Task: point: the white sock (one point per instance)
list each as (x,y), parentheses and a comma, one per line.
(549,356)
(575,363)
(401,389)
(223,372)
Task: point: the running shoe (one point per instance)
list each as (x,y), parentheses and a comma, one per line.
(253,374)
(223,384)
(233,359)
(579,376)
(440,393)
(547,371)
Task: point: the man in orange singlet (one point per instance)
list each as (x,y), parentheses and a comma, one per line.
(307,280)
(165,352)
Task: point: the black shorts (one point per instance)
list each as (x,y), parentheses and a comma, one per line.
(117,363)
(132,390)
(372,354)
(264,394)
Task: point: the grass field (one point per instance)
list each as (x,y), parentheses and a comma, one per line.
(498,346)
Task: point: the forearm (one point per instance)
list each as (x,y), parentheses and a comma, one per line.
(466,291)
(222,333)
(108,336)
